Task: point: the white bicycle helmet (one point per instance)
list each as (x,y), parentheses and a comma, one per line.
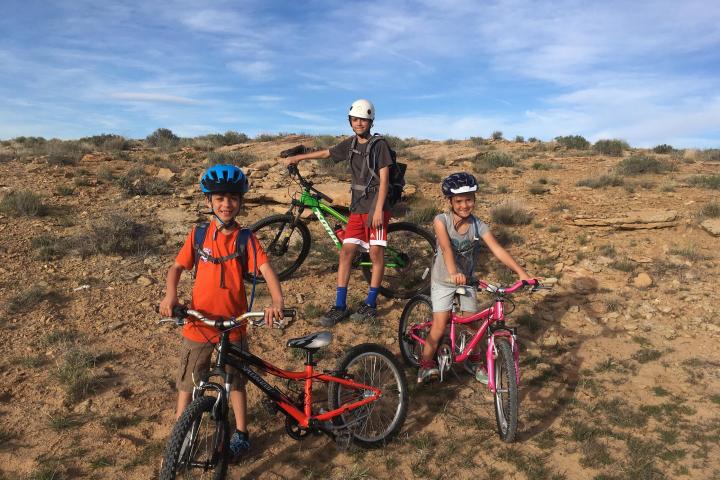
(362,108)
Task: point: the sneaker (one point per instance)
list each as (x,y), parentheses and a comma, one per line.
(427,371)
(365,313)
(239,443)
(475,367)
(334,316)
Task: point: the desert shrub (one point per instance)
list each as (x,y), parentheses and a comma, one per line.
(538,189)
(711,210)
(49,247)
(637,165)
(6,157)
(164,139)
(497,135)
(510,213)
(232,137)
(29,298)
(105,174)
(492,160)
(430,176)
(325,141)
(64,190)
(519,139)
(107,142)
(336,170)
(478,141)
(664,148)
(75,375)
(541,166)
(601,182)
(117,233)
(450,141)
(237,158)
(270,137)
(612,147)
(705,181)
(710,155)
(23,203)
(397,143)
(421,212)
(575,142)
(533,139)
(137,182)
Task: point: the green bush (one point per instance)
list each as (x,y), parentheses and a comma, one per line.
(705,181)
(137,182)
(23,203)
(492,160)
(270,137)
(164,139)
(119,234)
(397,143)
(637,165)
(664,148)
(575,142)
(107,142)
(478,141)
(533,140)
(497,135)
(613,147)
(214,140)
(237,158)
(325,141)
(601,182)
(510,213)
(519,139)
(711,210)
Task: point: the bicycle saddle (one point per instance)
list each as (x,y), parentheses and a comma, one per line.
(312,341)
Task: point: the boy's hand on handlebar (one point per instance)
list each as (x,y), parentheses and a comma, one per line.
(273,312)
(167,304)
(458,278)
(291,160)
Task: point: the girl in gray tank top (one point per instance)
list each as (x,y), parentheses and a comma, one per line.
(458,233)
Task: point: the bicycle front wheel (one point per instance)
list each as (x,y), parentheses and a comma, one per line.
(286,245)
(417,311)
(506,391)
(199,444)
(375,423)
(408,259)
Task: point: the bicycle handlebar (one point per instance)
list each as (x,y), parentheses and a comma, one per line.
(294,171)
(489,287)
(255,319)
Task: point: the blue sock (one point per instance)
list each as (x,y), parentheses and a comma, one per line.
(372,297)
(341,298)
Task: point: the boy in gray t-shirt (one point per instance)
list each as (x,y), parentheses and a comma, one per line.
(458,233)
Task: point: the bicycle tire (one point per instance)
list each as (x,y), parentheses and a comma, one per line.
(416,246)
(417,310)
(196,434)
(506,391)
(287,258)
(376,423)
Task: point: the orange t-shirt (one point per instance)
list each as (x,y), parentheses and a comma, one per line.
(208,297)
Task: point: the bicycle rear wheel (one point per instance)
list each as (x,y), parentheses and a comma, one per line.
(408,259)
(417,311)
(375,423)
(286,246)
(506,391)
(199,444)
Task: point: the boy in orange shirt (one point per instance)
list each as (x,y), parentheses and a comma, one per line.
(218,290)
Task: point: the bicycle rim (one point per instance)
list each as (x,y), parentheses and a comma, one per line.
(506,394)
(418,311)
(374,423)
(285,246)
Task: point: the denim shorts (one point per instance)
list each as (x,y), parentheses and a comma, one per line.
(442,298)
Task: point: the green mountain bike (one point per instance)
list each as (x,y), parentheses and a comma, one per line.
(286,240)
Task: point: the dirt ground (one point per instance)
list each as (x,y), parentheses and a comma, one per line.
(619,361)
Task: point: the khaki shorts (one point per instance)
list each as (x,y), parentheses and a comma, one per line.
(195,364)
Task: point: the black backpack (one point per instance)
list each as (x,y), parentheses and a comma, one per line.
(241,243)
(396,169)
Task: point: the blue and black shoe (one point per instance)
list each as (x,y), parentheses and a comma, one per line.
(239,444)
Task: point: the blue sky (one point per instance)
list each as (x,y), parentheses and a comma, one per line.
(644,71)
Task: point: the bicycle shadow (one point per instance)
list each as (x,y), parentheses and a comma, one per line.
(560,360)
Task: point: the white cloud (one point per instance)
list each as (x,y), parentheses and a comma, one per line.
(257,70)
(152,98)
(306,116)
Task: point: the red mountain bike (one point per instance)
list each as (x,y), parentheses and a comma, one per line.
(366,405)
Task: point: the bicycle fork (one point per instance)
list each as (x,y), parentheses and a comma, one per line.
(492,354)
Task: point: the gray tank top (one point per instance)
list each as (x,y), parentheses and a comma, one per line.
(465,247)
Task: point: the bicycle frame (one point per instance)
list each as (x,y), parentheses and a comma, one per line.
(490,315)
(318,207)
(235,356)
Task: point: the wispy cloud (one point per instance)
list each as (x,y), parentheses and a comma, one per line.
(152,98)
(306,116)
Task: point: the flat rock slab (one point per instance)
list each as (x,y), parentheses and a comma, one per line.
(712,226)
(639,219)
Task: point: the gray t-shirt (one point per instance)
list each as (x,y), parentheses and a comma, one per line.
(360,173)
(465,247)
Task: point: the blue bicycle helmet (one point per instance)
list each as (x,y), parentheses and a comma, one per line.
(224,179)
(456,183)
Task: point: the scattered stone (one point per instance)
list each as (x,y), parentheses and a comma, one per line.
(559,267)
(467,392)
(630,327)
(165,174)
(551,341)
(574,309)
(144,281)
(643,280)
(712,226)
(640,219)
(299,298)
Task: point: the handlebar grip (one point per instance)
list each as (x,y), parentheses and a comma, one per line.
(296,150)
(289,312)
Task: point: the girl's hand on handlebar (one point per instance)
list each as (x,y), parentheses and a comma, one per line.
(273,312)
(294,160)
(458,278)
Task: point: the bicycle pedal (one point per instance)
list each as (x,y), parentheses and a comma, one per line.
(343,439)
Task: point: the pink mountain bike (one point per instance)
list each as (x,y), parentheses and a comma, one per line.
(502,353)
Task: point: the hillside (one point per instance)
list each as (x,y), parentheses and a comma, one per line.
(620,374)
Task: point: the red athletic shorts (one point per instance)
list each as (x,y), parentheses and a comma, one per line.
(358,232)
